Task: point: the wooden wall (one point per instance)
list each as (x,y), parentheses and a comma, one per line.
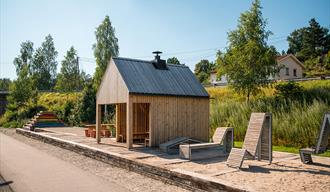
(112,89)
(172,117)
(140,119)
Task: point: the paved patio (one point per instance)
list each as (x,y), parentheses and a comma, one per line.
(286,173)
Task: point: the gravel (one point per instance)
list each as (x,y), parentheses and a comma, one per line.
(131,180)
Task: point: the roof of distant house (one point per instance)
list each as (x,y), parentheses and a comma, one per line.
(141,77)
(283,57)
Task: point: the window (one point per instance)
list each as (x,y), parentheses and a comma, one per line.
(295,72)
(219,78)
(287,71)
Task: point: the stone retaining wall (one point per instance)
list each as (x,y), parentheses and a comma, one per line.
(186,181)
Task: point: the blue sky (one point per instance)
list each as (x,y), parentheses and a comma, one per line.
(188,29)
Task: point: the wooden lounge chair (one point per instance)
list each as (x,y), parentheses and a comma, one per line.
(222,143)
(257,142)
(322,142)
(172,146)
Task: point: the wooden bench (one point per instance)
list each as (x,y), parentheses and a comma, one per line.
(141,136)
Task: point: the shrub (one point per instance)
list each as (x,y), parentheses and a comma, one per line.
(289,90)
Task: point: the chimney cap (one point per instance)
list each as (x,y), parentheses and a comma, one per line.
(157,52)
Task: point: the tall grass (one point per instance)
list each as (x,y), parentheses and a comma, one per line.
(295,122)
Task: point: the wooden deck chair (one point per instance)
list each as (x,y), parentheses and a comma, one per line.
(222,143)
(322,142)
(257,142)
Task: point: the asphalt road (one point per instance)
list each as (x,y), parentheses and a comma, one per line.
(33,170)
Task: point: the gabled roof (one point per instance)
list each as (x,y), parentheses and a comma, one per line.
(284,57)
(141,77)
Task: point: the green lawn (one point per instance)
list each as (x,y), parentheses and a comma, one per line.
(239,144)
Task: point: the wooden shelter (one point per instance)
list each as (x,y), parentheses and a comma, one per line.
(155,101)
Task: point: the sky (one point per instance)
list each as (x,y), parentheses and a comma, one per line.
(190,30)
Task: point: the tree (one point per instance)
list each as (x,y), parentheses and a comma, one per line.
(249,61)
(45,64)
(309,42)
(25,57)
(21,90)
(4,84)
(69,78)
(106,46)
(203,70)
(86,107)
(295,40)
(173,60)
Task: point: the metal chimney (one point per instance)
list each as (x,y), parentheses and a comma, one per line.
(159,63)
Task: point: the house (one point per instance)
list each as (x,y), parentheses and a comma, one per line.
(155,101)
(290,68)
(220,81)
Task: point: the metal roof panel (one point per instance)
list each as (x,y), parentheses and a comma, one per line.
(141,77)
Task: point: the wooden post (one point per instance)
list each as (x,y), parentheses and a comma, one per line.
(129,123)
(117,122)
(270,138)
(98,122)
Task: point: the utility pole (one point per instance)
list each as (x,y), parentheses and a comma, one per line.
(77,75)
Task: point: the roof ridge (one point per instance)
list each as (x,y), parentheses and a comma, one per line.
(147,61)
(177,65)
(131,59)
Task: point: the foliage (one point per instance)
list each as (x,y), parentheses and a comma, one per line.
(21,91)
(25,57)
(4,84)
(44,65)
(249,61)
(106,46)
(318,66)
(203,70)
(290,90)
(70,79)
(17,118)
(291,117)
(60,103)
(86,107)
(309,42)
(173,60)
(311,45)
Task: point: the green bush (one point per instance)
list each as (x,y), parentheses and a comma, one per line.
(19,116)
(289,90)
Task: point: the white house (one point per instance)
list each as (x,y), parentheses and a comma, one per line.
(290,68)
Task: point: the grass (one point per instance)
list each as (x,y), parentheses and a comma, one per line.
(238,144)
(295,122)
